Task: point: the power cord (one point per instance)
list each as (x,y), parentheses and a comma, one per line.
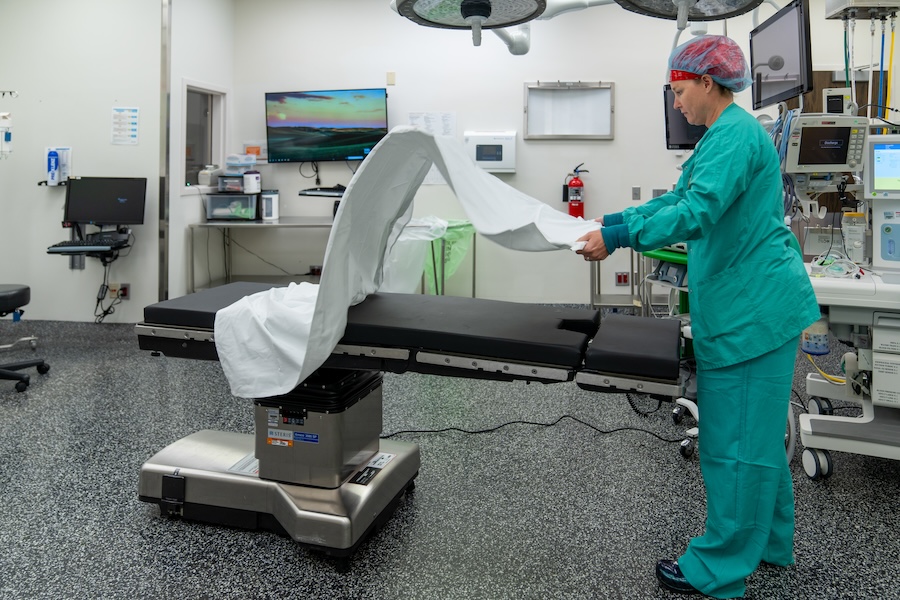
(315,175)
(100,311)
(248,251)
(501,426)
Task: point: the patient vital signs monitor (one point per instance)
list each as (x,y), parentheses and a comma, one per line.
(826,144)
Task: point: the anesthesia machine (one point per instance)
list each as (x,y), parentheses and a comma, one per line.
(856,278)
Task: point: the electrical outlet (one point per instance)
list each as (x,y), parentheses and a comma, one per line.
(636,193)
(621,277)
(120,290)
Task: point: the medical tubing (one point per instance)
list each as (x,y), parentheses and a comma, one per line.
(871,64)
(887,100)
(829,378)
(881,71)
(852,72)
(846,51)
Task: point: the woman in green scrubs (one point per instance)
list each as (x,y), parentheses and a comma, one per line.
(750,299)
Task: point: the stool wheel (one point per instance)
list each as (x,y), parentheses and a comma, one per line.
(686,448)
(43,368)
(21,386)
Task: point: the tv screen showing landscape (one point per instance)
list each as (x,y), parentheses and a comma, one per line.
(324,125)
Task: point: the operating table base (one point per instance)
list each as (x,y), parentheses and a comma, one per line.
(212,476)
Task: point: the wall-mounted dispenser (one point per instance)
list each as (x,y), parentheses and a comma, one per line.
(5,134)
(58,164)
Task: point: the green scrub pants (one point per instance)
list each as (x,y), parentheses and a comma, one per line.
(749,494)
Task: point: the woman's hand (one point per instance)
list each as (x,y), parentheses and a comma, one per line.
(594,247)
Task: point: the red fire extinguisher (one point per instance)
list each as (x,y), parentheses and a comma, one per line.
(575,187)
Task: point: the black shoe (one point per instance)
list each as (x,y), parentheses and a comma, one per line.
(670,576)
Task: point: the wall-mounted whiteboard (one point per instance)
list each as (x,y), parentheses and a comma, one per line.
(569,110)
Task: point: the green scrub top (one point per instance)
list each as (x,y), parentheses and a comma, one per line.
(748,289)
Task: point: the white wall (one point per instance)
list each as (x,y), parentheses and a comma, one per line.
(203,34)
(288,45)
(70,71)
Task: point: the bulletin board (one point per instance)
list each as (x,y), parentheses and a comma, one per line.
(569,110)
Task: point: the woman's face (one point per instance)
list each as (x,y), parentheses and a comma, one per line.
(690,98)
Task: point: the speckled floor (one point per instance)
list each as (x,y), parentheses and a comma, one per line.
(522,512)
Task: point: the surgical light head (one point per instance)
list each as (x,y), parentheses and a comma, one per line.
(475,12)
(683,11)
(470,14)
(715,55)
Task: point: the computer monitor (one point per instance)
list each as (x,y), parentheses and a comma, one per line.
(881,174)
(105,200)
(824,143)
(324,125)
(680,135)
(781,57)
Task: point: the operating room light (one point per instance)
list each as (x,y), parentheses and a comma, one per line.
(470,14)
(690,10)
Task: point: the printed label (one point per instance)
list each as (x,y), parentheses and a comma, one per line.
(248,465)
(373,468)
(381,460)
(277,442)
(279,434)
(309,438)
(365,476)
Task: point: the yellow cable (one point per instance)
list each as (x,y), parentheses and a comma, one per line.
(831,378)
(887,101)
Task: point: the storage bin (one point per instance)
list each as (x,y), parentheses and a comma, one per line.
(234,207)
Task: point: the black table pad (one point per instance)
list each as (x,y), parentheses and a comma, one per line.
(491,329)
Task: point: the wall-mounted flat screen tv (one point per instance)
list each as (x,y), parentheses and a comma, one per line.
(324,125)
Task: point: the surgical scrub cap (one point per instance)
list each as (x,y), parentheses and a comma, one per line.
(715,55)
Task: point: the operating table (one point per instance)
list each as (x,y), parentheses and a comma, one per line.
(316,468)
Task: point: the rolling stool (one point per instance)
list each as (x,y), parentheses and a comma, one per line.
(12,298)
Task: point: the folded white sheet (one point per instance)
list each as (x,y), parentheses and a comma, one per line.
(270,342)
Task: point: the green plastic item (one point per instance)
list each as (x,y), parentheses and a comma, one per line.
(454,246)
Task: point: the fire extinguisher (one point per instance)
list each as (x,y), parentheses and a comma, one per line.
(575,189)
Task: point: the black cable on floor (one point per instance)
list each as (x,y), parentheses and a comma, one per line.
(492,429)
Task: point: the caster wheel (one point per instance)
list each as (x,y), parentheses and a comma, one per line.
(43,369)
(686,448)
(820,406)
(21,386)
(33,344)
(817,463)
(678,414)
